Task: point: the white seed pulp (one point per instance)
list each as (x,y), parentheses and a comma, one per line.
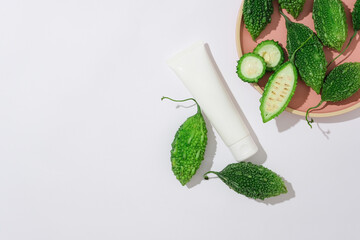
(271,55)
(252,67)
(279,91)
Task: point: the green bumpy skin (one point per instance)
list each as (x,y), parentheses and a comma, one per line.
(253,181)
(294,7)
(310,59)
(356,16)
(242,76)
(265,43)
(330,22)
(277,94)
(342,82)
(356,26)
(188,147)
(257,14)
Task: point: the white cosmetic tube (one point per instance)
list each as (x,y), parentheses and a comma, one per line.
(196,68)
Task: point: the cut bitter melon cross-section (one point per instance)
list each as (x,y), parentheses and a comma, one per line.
(251,67)
(278,91)
(272,53)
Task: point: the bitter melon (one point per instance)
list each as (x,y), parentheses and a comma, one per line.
(356,26)
(253,181)
(272,53)
(356,16)
(257,14)
(279,89)
(330,22)
(310,60)
(188,147)
(294,7)
(341,83)
(251,67)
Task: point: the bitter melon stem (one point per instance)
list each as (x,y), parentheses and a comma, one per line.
(308,111)
(286,18)
(347,46)
(206,177)
(292,59)
(188,99)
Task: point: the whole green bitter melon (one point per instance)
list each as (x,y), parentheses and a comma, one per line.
(341,83)
(310,59)
(294,7)
(355,14)
(188,147)
(253,181)
(330,22)
(257,14)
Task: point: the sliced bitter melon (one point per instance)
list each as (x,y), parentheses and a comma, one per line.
(280,88)
(272,53)
(278,91)
(251,67)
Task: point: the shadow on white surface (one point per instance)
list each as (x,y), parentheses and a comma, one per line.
(336,119)
(208,161)
(287,120)
(326,133)
(260,157)
(281,198)
(341,118)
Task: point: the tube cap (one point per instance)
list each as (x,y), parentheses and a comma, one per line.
(244,148)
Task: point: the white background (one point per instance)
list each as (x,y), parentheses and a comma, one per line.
(85,139)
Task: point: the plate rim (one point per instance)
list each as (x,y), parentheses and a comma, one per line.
(257,87)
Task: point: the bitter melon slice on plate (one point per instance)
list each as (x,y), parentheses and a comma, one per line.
(251,67)
(278,91)
(272,53)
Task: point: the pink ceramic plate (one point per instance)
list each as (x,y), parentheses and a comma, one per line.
(304,97)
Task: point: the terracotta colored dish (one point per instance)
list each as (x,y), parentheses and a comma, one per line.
(304,97)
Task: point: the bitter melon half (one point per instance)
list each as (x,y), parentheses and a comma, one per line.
(257,14)
(279,89)
(310,59)
(330,22)
(294,7)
